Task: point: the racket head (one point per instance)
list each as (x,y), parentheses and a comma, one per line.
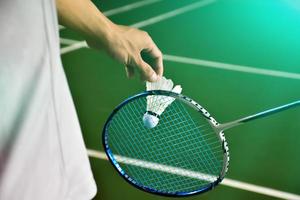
(126,143)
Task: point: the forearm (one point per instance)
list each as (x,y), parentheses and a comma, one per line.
(84,17)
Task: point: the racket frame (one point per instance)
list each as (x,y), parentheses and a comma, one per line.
(192,104)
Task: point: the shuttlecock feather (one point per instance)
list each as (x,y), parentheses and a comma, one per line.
(156,104)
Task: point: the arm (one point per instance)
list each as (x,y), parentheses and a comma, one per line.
(123,43)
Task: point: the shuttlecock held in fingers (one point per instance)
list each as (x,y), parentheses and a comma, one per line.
(156,104)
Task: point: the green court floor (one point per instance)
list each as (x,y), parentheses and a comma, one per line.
(252,34)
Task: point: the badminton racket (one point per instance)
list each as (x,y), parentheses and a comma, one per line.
(185,154)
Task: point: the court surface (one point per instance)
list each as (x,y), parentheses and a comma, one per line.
(233,57)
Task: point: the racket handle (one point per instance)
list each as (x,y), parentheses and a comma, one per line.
(259,115)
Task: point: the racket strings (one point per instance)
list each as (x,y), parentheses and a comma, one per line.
(178,145)
(207,144)
(177,141)
(171,142)
(185,128)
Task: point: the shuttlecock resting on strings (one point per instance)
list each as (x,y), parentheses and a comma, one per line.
(156,104)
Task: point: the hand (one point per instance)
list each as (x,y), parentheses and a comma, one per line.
(126,45)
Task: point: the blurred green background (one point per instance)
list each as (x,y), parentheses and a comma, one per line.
(255,33)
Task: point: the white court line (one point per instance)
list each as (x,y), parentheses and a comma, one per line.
(74,44)
(173,13)
(125,8)
(231,67)
(260,189)
(67,41)
(73,47)
(129,7)
(165,168)
(152,20)
(227,182)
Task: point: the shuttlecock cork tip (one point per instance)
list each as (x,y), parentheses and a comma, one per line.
(150,120)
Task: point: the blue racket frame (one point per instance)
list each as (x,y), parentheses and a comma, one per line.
(193,104)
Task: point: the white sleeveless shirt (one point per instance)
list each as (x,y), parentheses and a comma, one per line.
(42,153)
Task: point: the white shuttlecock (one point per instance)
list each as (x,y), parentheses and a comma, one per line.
(156,104)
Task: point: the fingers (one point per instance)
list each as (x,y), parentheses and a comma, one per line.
(157,63)
(146,71)
(132,44)
(129,71)
(157,58)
